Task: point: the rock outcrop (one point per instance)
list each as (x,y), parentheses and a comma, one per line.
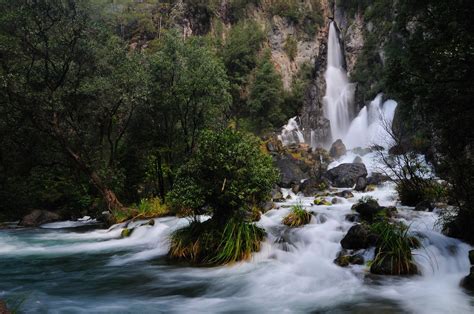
(38,217)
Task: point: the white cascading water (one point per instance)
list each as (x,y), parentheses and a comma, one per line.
(339,91)
(372,125)
(291,133)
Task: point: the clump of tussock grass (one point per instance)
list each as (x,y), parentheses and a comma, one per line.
(297,217)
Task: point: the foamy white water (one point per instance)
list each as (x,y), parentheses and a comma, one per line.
(60,270)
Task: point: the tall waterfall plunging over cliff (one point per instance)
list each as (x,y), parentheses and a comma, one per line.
(332,117)
(339,91)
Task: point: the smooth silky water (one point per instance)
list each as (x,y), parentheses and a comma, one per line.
(72,270)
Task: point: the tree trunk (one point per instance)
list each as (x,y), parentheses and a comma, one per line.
(109,197)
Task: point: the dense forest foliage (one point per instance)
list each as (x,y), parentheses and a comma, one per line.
(103,102)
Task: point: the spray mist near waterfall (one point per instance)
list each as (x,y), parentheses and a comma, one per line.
(368,127)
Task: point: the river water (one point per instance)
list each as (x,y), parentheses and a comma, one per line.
(67,268)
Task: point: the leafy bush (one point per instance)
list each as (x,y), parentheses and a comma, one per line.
(393,252)
(227,175)
(297,217)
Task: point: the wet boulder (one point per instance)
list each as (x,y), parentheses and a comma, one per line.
(290,172)
(387,267)
(367,209)
(361,151)
(345,259)
(424,206)
(345,194)
(468,281)
(312,186)
(38,217)
(361,184)
(377,178)
(346,175)
(337,149)
(358,237)
(357,160)
(276,195)
(352,217)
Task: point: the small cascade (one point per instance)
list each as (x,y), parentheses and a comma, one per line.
(339,91)
(291,133)
(371,125)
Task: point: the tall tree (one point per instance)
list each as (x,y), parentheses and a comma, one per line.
(430,71)
(74,82)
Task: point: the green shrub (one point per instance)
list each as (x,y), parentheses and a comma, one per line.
(297,217)
(393,252)
(411,193)
(227,175)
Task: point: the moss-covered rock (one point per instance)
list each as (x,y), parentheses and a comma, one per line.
(126,232)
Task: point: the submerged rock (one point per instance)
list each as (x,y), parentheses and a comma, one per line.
(338,149)
(346,175)
(344,259)
(126,232)
(345,194)
(38,217)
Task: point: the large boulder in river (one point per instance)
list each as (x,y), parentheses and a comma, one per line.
(337,149)
(358,237)
(38,217)
(346,175)
(367,209)
(312,185)
(290,172)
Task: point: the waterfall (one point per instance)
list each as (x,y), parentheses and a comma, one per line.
(291,133)
(339,91)
(371,125)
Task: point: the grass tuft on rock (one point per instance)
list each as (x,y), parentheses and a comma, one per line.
(297,217)
(393,252)
(206,243)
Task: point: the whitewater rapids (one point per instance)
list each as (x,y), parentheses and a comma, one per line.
(56,269)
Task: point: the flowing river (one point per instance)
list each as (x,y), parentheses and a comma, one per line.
(68,267)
